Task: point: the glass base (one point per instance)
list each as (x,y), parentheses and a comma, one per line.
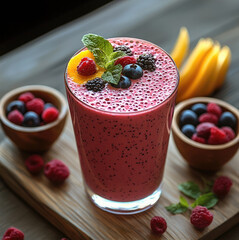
(124,208)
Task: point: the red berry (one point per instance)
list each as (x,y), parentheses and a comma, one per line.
(158,225)
(15,117)
(217,136)
(201,217)
(123,61)
(203,129)
(214,109)
(56,171)
(13,233)
(196,138)
(86,67)
(36,105)
(229,132)
(222,186)
(50,114)
(208,117)
(34,163)
(26,97)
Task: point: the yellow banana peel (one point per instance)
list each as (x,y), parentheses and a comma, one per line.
(181,47)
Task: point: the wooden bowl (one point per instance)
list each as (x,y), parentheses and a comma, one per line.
(34,139)
(203,156)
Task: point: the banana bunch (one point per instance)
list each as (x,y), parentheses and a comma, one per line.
(205,68)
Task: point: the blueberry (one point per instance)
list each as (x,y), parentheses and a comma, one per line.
(227,119)
(48,105)
(188,130)
(124,82)
(133,71)
(199,108)
(31,119)
(16,105)
(188,117)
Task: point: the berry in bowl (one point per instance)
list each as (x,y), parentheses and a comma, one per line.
(33,117)
(205,131)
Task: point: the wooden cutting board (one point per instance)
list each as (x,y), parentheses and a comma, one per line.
(69,209)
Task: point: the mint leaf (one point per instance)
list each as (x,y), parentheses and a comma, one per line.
(113,57)
(176,208)
(207,200)
(113,74)
(190,189)
(100,57)
(183,202)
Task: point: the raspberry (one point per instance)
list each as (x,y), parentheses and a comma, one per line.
(86,67)
(217,136)
(64,239)
(203,129)
(50,114)
(214,108)
(35,105)
(34,163)
(124,49)
(15,117)
(221,186)
(26,97)
(158,225)
(229,132)
(13,233)
(196,138)
(56,171)
(95,85)
(123,61)
(147,62)
(208,117)
(201,217)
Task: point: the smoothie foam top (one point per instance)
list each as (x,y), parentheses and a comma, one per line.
(150,90)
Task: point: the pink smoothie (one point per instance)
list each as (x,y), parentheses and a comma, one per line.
(122,134)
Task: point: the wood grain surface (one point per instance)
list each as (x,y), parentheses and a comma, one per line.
(70,210)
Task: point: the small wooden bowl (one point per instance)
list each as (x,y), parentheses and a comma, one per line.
(34,139)
(203,156)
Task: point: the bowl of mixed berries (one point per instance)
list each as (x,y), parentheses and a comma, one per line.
(33,117)
(206,132)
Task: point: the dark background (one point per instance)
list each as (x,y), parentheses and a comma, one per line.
(22,21)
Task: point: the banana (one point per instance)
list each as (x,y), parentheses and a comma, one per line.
(181,47)
(206,70)
(190,69)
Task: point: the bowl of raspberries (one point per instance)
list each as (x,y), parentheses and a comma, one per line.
(206,132)
(33,116)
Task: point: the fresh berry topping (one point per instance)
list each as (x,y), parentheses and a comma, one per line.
(229,132)
(123,61)
(50,114)
(188,130)
(34,163)
(13,233)
(203,129)
(95,85)
(47,105)
(56,171)
(31,119)
(199,108)
(196,138)
(147,62)
(124,49)
(15,117)
(124,83)
(16,105)
(208,117)
(217,136)
(26,97)
(158,225)
(86,67)
(214,108)
(201,217)
(227,119)
(133,71)
(35,105)
(222,186)
(188,117)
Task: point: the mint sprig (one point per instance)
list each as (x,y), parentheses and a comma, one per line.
(105,57)
(207,200)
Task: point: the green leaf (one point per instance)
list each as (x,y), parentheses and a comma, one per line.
(207,200)
(183,202)
(190,189)
(100,57)
(113,57)
(176,208)
(113,74)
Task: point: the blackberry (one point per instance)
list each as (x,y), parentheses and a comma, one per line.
(96,85)
(147,62)
(124,49)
